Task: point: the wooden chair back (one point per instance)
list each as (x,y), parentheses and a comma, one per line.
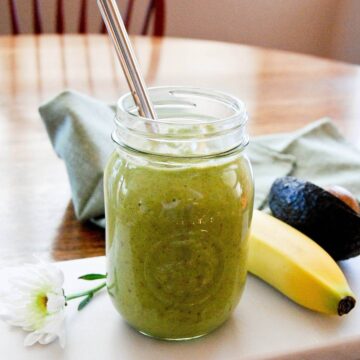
(155,10)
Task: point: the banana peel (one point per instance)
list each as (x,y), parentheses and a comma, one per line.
(297,266)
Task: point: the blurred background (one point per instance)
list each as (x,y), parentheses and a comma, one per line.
(327,28)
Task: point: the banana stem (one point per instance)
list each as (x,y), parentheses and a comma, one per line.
(345,305)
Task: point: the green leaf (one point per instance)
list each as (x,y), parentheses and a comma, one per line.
(93,277)
(84,302)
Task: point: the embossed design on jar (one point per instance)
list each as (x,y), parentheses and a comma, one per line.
(186,269)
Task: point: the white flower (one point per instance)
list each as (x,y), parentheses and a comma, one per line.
(35,302)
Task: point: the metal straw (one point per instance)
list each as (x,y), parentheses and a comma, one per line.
(117,31)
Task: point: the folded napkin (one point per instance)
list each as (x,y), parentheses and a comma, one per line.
(79,128)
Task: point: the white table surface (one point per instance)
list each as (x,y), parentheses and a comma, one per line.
(265,325)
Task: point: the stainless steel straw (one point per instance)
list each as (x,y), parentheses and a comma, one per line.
(117,31)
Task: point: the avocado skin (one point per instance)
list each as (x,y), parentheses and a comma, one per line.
(318,214)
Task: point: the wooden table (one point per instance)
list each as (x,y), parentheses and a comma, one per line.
(283,91)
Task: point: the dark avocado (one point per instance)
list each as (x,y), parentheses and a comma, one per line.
(318,214)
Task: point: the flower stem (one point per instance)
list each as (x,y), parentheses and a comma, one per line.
(86,292)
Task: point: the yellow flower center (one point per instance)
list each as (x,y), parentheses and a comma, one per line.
(41,303)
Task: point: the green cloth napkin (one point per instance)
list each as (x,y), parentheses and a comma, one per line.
(79,128)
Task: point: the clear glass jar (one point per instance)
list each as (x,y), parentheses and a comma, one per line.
(178,201)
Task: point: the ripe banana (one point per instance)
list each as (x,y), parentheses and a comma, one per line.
(297,266)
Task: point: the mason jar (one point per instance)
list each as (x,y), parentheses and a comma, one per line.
(178,200)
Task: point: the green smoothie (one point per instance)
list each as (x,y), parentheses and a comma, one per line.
(176,241)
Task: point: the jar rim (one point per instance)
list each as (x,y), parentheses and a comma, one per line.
(231,100)
(191,120)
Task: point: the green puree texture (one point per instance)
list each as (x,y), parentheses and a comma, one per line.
(177,243)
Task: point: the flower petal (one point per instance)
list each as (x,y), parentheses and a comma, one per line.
(47,338)
(32,338)
(36,303)
(55,302)
(54,323)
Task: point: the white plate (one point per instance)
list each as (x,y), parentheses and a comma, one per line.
(265,325)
